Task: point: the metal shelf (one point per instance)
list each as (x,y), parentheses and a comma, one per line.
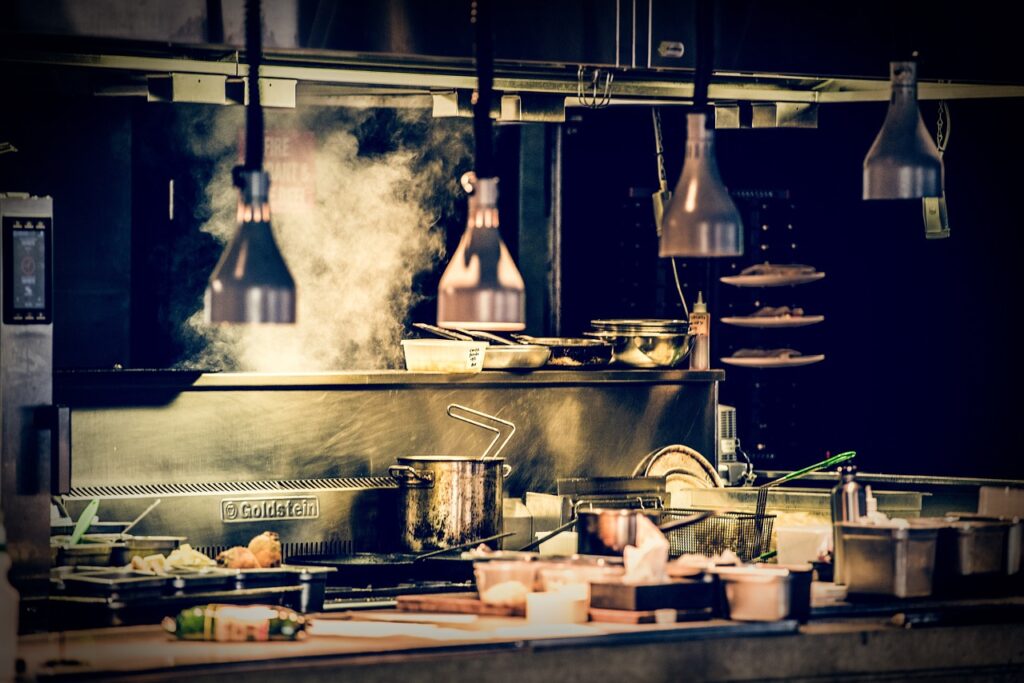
(199,381)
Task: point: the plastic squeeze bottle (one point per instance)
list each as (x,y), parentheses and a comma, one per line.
(700,328)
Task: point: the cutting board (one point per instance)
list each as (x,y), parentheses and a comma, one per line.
(470,603)
(683,594)
(455,603)
(624,616)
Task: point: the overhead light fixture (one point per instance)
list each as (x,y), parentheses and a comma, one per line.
(701,220)
(903,162)
(481,289)
(251,283)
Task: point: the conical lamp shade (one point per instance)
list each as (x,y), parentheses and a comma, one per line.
(481,289)
(904,162)
(251,283)
(701,220)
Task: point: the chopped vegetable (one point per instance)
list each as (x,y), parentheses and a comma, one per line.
(267,549)
(238,558)
(187,557)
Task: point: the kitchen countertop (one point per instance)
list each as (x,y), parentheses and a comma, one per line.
(149,648)
(710,650)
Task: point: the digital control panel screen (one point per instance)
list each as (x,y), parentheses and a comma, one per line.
(29,252)
(26,270)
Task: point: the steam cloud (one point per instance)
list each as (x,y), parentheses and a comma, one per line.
(355,253)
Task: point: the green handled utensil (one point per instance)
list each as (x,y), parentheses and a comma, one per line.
(830,462)
(762,490)
(85,520)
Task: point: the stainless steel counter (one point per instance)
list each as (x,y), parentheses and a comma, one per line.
(74,383)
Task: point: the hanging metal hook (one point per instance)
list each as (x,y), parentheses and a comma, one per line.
(599,96)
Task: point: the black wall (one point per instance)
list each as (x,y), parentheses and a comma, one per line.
(79,151)
(922,362)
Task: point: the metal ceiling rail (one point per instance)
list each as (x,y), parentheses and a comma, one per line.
(659,87)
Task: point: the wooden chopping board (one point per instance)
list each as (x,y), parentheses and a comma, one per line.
(470,603)
(455,603)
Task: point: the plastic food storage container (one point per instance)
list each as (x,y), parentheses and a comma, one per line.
(971,553)
(562,545)
(505,582)
(755,594)
(1001,501)
(887,560)
(443,355)
(576,578)
(557,607)
(799,544)
(801,576)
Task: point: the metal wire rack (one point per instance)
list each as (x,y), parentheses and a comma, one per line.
(745,533)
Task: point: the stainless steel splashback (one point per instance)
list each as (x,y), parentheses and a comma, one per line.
(135,432)
(133,428)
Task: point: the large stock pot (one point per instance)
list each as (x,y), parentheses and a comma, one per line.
(449,500)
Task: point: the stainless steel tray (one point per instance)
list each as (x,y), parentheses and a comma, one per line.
(115,584)
(878,560)
(63,554)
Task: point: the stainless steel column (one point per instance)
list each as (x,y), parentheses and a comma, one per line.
(26,386)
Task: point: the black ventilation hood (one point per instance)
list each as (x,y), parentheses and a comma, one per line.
(788,53)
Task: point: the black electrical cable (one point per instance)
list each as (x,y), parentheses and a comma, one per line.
(254,112)
(481,16)
(705,49)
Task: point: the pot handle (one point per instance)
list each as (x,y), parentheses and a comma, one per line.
(506,470)
(410,476)
(502,429)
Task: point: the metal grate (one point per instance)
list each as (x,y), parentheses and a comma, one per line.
(745,533)
(623,502)
(268,486)
(301,549)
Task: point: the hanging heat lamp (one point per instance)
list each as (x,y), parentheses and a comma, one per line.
(701,220)
(251,283)
(481,289)
(903,162)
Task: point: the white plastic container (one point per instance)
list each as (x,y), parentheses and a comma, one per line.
(564,606)
(562,545)
(443,355)
(755,594)
(1001,501)
(801,544)
(505,582)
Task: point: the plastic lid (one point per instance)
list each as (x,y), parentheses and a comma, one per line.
(699,306)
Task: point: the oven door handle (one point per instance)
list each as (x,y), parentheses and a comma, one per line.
(57,420)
